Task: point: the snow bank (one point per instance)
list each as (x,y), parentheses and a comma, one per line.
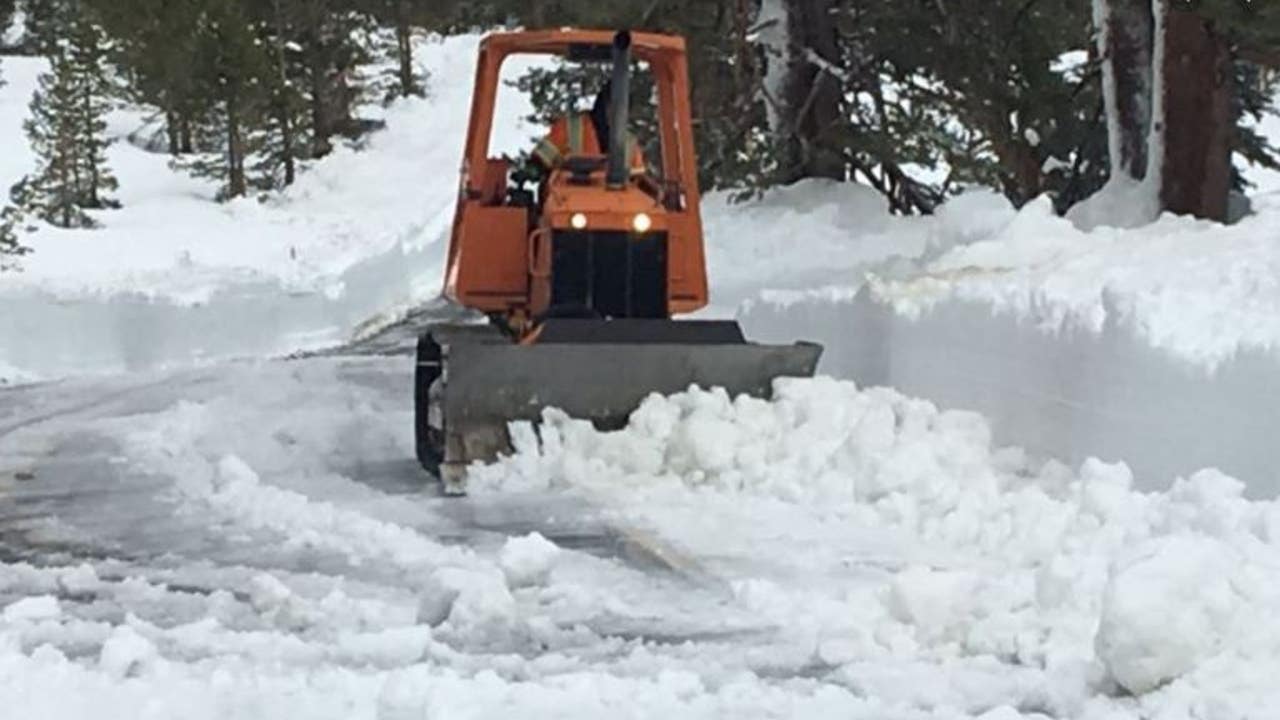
(819,238)
(1158,345)
(1195,289)
(1067,392)
(985,553)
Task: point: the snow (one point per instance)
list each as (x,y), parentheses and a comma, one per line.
(844,233)
(12,35)
(266,549)
(1200,291)
(41,607)
(1167,610)
(984,553)
(528,560)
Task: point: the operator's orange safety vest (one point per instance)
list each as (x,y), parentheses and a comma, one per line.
(576,135)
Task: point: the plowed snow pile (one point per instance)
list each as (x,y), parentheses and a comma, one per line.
(1076,583)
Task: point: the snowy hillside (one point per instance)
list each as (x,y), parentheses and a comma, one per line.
(171,242)
(173,276)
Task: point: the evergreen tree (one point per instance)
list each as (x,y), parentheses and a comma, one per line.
(280,144)
(8,9)
(10,248)
(54,192)
(87,52)
(156,50)
(231,66)
(1256,88)
(401,16)
(42,22)
(329,37)
(67,128)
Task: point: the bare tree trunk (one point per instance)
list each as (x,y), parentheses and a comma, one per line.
(321,129)
(186,145)
(171,131)
(284,117)
(90,191)
(288,138)
(404,47)
(1198,124)
(1126,28)
(237,185)
(812,92)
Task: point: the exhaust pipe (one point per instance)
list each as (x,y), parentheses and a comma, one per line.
(619,112)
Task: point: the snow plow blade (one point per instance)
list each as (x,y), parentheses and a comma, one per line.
(472,381)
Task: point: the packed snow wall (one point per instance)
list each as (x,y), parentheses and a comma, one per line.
(1071,394)
(45,336)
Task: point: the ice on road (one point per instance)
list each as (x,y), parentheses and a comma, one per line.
(255,540)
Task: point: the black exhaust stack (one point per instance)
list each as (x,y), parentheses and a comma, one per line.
(619,112)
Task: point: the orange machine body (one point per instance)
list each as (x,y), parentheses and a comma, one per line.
(499,258)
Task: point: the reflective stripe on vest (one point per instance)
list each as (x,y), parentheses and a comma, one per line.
(547,152)
(576,141)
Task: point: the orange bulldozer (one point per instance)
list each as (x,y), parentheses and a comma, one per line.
(580,277)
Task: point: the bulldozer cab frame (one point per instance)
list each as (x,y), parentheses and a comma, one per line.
(496,264)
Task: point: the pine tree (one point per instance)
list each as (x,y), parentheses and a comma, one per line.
(10,248)
(401,16)
(67,128)
(8,8)
(231,68)
(54,192)
(280,143)
(87,54)
(42,21)
(156,50)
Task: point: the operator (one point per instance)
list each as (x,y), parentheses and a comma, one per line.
(580,133)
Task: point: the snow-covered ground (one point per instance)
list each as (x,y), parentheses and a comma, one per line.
(252,541)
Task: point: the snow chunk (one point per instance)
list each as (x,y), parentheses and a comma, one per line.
(1167,610)
(528,560)
(932,600)
(33,609)
(80,579)
(126,653)
(472,601)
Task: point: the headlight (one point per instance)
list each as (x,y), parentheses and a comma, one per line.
(578,221)
(641,223)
